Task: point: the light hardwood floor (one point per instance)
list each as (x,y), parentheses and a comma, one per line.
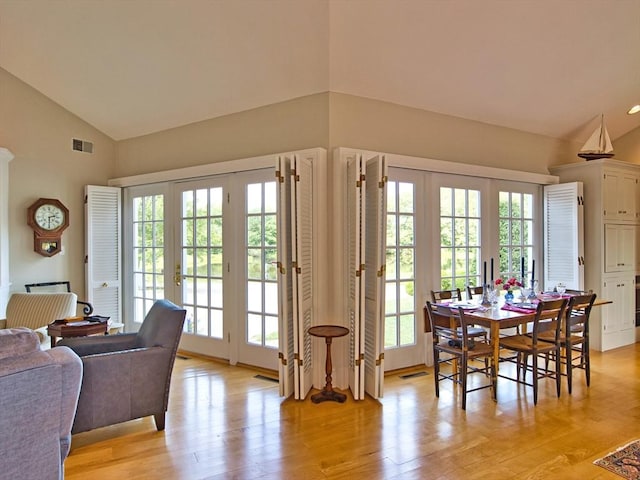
(223,423)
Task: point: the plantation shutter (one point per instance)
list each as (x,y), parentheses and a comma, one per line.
(564,235)
(376,178)
(356,219)
(103,250)
(302,262)
(286,363)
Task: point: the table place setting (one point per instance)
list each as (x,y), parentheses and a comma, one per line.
(470,306)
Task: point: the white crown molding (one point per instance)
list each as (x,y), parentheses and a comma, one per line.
(6,155)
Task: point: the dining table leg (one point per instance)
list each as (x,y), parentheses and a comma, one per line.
(495,342)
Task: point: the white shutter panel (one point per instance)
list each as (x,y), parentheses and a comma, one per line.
(302,217)
(355,206)
(103,250)
(285,285)
(376,178)
(564,235)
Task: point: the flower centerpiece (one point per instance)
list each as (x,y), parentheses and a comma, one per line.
(508,285)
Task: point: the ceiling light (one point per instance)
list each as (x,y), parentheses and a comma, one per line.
(634,109)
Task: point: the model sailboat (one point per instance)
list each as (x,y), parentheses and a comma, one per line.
(598,145)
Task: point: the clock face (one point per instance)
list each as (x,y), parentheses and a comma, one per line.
(49,217)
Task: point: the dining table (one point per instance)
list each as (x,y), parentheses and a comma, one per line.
(502,315)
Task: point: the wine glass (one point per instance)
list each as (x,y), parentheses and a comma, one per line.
(493,295)
(561,288)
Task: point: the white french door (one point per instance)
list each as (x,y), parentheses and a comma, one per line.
(258,340)
(203,266)
(209,245)
(403,323)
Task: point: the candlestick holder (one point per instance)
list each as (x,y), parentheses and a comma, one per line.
(532,294)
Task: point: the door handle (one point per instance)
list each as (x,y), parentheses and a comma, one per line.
(177,276)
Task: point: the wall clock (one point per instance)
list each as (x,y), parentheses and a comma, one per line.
(48,218)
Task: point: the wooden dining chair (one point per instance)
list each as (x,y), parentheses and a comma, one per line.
(574,338)
(440,295)
(474,292)
(547,318)
(455,295)
(449,329)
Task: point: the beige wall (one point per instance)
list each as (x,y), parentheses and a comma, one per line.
(39,132)
(292,125)
(627,147)
(380,126)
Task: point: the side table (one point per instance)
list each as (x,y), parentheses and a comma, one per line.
(75,329)
(328,332)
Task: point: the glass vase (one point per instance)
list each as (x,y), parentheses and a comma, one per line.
(508,297)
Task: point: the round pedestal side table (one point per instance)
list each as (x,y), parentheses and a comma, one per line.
(328,332)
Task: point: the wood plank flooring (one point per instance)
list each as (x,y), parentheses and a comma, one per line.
(224,423)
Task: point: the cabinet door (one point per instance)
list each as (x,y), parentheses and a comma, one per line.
(637,249)
(628,305)
(627,197)
(618,318)
(620,248)
(619,192)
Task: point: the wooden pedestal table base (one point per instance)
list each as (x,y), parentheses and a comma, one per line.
(328,332)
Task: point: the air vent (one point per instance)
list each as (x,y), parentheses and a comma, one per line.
(82,146)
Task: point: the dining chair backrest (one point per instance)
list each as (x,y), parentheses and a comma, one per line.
(577,315)
(548,317)
(450,325)
(578,292)
(443,321)
(439,295)
(474,291)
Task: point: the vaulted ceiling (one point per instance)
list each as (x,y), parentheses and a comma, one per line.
(130,68)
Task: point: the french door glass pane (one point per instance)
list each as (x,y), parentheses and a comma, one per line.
(148,253)
(515,211)
(261,257)
(201,225)
(459,237)
(400,304)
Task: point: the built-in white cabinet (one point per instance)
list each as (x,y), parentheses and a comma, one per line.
(611,244)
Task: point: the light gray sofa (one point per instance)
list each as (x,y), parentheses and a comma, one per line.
(127,376)
(38,397)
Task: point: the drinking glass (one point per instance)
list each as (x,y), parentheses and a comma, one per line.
(561,288)
(493,295)
(533,294)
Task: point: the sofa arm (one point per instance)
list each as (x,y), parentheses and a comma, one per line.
(98,344)
(71,379)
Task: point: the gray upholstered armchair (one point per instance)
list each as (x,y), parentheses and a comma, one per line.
(38,402)
(127,376)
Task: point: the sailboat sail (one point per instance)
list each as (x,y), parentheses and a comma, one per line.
(598,145)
